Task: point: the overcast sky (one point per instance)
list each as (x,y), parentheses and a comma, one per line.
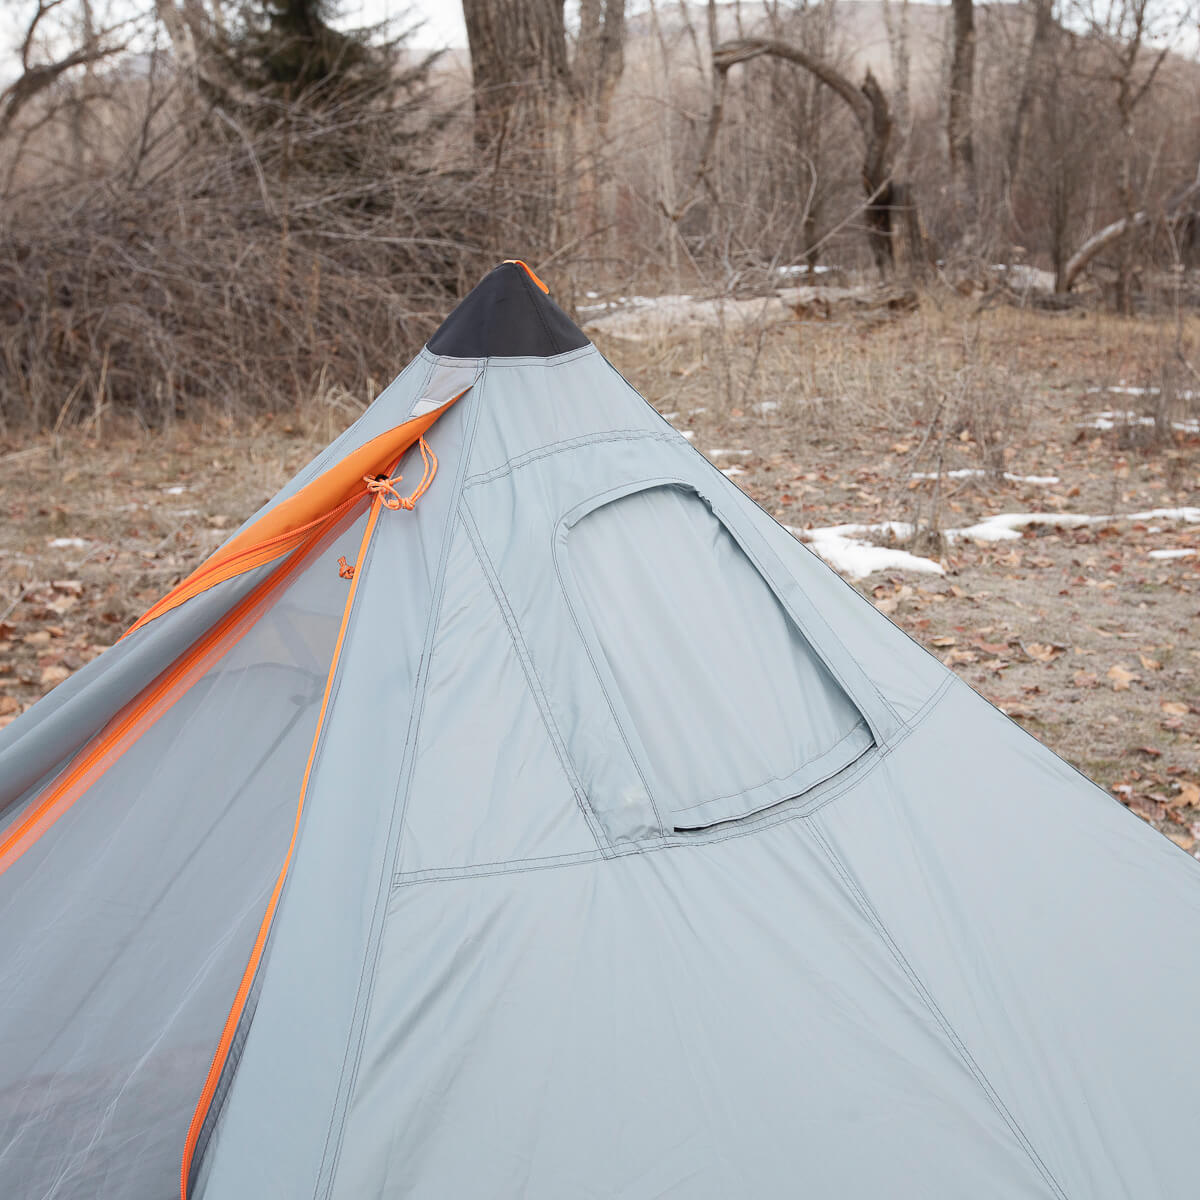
(443,19)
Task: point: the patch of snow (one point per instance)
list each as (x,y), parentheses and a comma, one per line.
(721,453)
(669,416)
(1105,421)
(592,295)
(766,406)
(1029,279)
(1007,526)
(1171,553)
(64,543)
(843,547)
(732,471)
(1190,516)
(175,490)
(688,433)
(976,472)
(802,269)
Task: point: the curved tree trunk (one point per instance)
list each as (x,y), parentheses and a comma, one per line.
(870,108)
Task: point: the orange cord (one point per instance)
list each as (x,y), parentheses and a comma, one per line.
(384,488)
(345,570)
(528,271)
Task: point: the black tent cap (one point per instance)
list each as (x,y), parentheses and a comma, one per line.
(507,315)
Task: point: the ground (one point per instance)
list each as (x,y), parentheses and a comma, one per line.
(935,419)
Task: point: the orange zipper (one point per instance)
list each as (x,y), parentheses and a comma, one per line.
(229,1029)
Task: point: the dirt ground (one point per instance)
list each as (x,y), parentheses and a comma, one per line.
(1078,633)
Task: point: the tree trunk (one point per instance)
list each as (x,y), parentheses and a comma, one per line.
(522,91)
(959,121)
(1035,66)
(599,60)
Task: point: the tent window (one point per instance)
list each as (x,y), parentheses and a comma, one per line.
(718,691)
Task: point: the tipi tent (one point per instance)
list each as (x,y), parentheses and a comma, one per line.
(559,826)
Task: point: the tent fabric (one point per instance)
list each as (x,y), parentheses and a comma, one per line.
(639,856)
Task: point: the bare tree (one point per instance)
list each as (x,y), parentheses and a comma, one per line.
(598,61)
(1033,79)
(35,77)
(959,120)
(899,49)
(872,113)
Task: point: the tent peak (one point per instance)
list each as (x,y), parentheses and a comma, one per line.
(509,314)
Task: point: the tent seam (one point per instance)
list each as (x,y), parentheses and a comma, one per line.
(532,679)
(748,826)
(872,916)
(566,445)
(537,308)
(364,992)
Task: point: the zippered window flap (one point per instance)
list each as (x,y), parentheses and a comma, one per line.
(721,697)
(129,910)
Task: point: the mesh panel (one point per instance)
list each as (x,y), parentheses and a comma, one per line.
(126,925)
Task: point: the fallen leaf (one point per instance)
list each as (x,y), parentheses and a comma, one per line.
(1045,651)
(1188,797)
(1183,840)
(1121,677)
(1150,664)
(1173,708)
(990,647)
(55,673)
(942,642)
(9,704)
(959,658)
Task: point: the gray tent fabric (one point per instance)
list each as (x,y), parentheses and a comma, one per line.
(640,856)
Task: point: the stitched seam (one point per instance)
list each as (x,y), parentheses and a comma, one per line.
(537,308)
(431,874)
(518,361)
(364,992)
(634,759)
(872,916)
(566,445)
(788,810)
(532,679)
(860,724)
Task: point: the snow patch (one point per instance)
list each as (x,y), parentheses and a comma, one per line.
(176,489)
(1007,526)
(721,453)
(67,543)
(843,547)
(802,269)
(1108,420)
(732,471)
(688,433)
(977,472)
(848,549)
(766,406)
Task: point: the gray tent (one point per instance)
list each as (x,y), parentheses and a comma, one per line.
(561,827)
